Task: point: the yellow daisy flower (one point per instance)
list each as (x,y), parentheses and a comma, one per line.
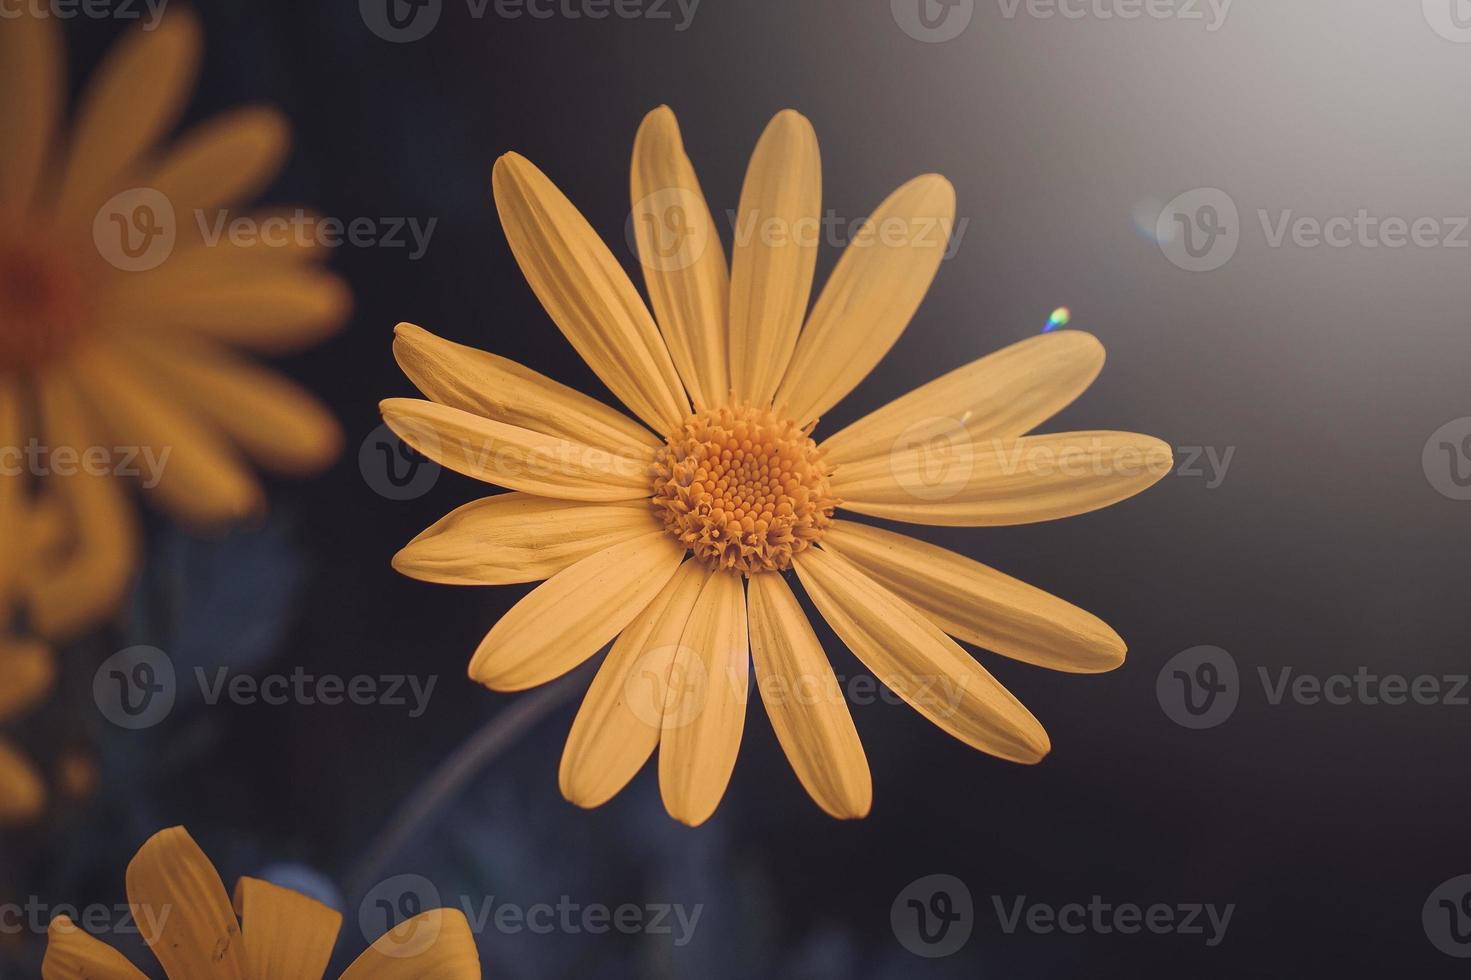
(179,904)
(111,365)
(670,542)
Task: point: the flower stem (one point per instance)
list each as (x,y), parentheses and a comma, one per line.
(416,813)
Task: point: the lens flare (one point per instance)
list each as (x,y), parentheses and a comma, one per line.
(1060,317)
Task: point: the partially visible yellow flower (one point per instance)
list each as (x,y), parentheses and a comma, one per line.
(673,542)
(179,904)
(98,355)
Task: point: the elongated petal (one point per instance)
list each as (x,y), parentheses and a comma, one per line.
(27,672)
(1001,395)
(996,481)
(31,93)
(71,954)
(878,284)
(514,537)
(182,909)
(516,458)
(80,578)
(776,243)
(130,103)
(918,662)
(571,615)
(618,725)
(504,391)
(434,945)
(203,480)
(274,421)
(705,715)
(684,262)
(227,159)
(805,703)
(287,935)
(270,307)
(978,604)
(586,293)
(22,794)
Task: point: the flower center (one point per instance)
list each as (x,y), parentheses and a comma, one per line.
(42,308)
(743,489)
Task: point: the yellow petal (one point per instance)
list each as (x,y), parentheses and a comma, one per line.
(223,161)
(504,391)
(22,794)
(978,604)
(31,92)
(71,954)
(270,307)
(203,481)
(705,713)
(274,421)
(130,103)
(180,906)
(1004,394)
(586,293)
(287,935)
(434,945)
(86,578)
(683,260)
(915,660)
(27,672)
(569,617)
(618,725)
(805,703)
(514,537)
(516,458)
(776,238)
(1003,481)
(878,284)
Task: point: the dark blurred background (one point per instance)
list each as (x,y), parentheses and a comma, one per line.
(1307,525)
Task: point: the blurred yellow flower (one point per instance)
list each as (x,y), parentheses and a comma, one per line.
(179,904)
(666,541)
(26,676)
(119,310)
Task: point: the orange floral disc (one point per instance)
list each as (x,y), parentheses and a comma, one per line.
(743,489)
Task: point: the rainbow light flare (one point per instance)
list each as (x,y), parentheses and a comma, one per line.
(1060,317)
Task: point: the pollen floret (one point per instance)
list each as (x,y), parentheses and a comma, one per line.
(743,488)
